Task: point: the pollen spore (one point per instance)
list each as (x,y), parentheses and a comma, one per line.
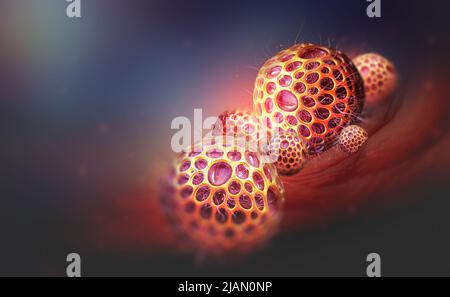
(312,90)
(352,138)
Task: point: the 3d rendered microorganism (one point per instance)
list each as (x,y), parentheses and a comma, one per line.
(379,75)
(223,199)
(313,90)
(352,138)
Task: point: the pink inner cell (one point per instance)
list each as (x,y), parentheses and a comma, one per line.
(273,72)
(259,181)
(201,164)
(285,81)
(269,105)
(313,53)
(198,179)
(202,193)
(241,171)
(234,188)
(270,88)
(287,101)
(293,66)
(214,153)
(252,159)
(219,173)
(234,155)
(267,173)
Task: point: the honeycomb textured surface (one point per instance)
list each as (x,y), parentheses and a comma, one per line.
(379,75)
(311,90)
(223,199)
(352,138)
(288,151)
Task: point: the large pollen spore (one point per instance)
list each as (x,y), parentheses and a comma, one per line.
(312,90)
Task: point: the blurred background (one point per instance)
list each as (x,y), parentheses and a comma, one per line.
(86,106)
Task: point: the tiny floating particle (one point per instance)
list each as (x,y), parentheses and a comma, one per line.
(352,138)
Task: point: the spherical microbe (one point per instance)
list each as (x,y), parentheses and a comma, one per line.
(288,151)
(379,75)
(313,90)
(223,199)
(352,138)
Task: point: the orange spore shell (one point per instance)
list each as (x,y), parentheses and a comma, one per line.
(312,90)
(289,152)
(352,138)
(379,75)
(222,199)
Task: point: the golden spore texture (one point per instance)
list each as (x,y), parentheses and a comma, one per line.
(379,75)
(222,199)
(352,138)
(312,90)
(288,151)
